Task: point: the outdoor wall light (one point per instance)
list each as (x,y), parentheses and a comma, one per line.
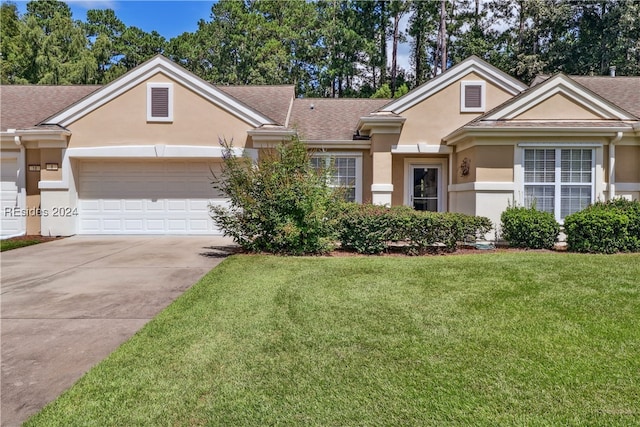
(34,168)
(52,166)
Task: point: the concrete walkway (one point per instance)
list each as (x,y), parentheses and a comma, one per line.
(69,303)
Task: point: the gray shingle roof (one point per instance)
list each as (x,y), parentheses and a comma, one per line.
(330,119)
(622,91)
(24,106)
(272,101)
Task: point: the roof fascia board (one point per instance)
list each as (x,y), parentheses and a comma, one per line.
(143,72)
(585,131)
(472,64)
(560,84)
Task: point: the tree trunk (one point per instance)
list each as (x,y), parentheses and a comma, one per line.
(394,57)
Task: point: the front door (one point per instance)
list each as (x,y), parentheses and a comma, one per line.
(425,188)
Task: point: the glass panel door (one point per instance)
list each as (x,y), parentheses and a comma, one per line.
(424,194)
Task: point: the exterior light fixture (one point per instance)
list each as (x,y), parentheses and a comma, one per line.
(34,168)
(52,166)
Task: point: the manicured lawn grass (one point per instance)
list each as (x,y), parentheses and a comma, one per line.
(7,245)
(22,241)
(495,339)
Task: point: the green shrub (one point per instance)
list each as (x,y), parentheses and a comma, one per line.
(529,228)
(365,228)
(279,205)
(372,229)
(605,227)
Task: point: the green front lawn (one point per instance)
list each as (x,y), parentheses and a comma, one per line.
(8,244)
(484,340)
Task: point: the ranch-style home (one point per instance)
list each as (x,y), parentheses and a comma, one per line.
(135,156)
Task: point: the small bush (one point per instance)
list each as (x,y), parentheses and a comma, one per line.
(605,227)
(372,229)
(529,228)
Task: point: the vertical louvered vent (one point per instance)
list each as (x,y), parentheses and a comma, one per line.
(160,102)
(473,96)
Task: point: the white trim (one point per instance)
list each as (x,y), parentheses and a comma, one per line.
(483,96)
(421,148)
(560,84)
(470,65)
(482,186)
(159,64)
(541,132)
(150,87)
(381,123)
(385,188)
(559,145)
(340,144)
(154,151)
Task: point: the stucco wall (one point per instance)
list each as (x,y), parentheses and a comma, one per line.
(558,107)
(437,116)
(123,121)
(627,163)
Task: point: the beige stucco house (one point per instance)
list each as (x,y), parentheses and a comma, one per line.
(137,156)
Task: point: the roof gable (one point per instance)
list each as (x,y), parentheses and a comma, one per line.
(159,64)
(548,90)
(558,107)
(473,64)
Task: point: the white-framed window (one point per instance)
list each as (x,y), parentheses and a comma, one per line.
(345,171)
(159,102)
(472,96)
(559,180)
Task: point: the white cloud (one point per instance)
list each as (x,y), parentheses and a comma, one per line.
(93,4)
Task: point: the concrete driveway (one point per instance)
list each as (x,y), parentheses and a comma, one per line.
(69,303)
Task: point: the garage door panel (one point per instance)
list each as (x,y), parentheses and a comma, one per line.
(155,197)
(10,224)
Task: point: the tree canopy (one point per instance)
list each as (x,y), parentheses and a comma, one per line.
(328,48)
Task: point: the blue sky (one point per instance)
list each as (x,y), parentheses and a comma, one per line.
(169,18)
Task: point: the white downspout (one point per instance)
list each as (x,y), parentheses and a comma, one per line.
(612,165)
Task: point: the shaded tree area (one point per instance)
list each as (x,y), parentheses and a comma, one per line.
(328,48)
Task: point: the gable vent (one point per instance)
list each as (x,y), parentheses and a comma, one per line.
(160,102)
(473,96)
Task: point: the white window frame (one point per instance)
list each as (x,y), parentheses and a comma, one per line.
(483,96)
(557,183)
(150,117)
(330,156)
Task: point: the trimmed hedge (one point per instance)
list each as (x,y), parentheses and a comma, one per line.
(373,229)
(529,228)
(605,227)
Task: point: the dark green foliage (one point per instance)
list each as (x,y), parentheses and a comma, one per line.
(279,205)
(529,228)
(605,227)
(372,229)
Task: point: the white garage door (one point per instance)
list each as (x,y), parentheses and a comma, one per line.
(150,197)
(12,221)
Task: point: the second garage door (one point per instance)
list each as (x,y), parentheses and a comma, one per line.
(12,220)
(150,197)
